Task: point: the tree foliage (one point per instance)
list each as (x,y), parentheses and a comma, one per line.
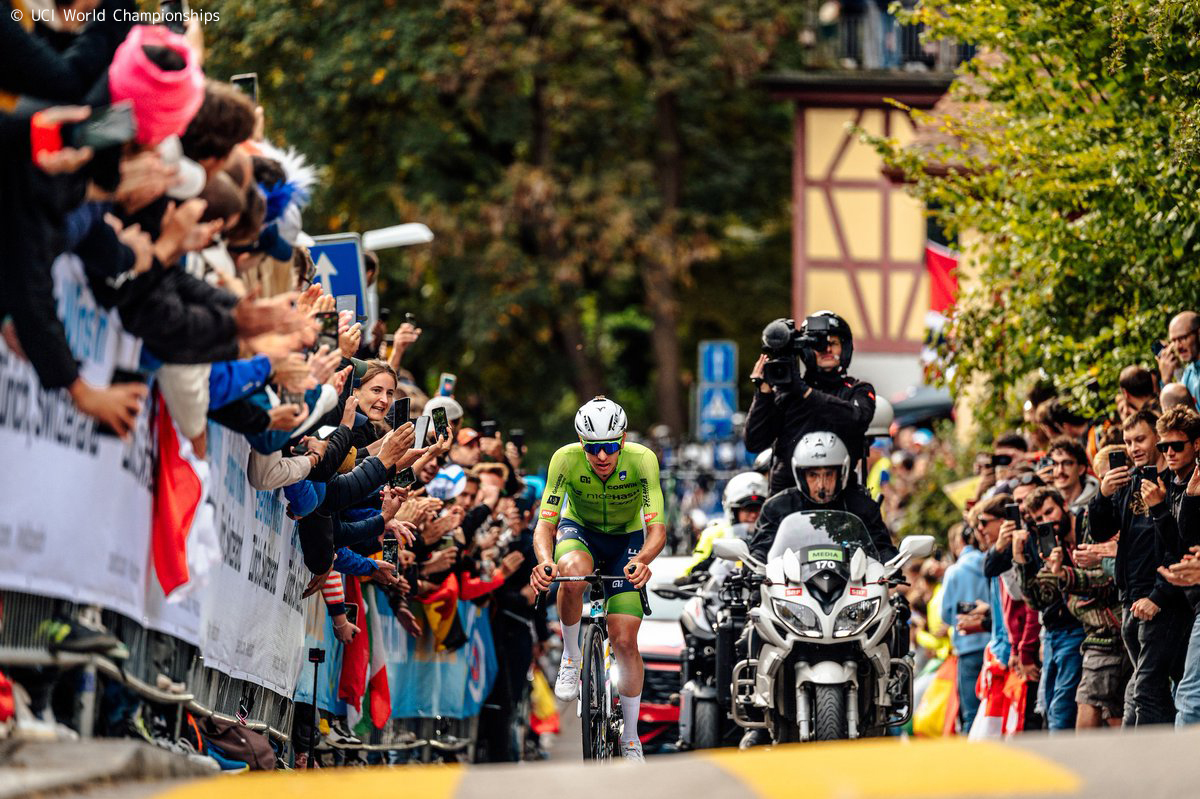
(1071,145)
(581,166)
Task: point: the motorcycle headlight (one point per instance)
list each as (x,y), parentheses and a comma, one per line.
(800,618)
(853,619)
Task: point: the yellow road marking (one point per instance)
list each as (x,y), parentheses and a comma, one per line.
(427,782)
(870,768)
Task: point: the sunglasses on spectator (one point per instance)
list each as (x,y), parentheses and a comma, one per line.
(1184,337)
(1029,479)
(1174,446)
(607,447)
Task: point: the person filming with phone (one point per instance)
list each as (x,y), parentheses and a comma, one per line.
(1153,627)
(1053,536)
(802,386)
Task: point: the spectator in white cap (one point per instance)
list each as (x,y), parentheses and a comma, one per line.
(454,412)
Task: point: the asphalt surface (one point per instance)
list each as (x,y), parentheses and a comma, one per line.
(568,745)
(1098,765)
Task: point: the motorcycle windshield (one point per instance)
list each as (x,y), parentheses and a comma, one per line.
(822,535)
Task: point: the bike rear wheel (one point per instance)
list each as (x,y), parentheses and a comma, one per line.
(596,744)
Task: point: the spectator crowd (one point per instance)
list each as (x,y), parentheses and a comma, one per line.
(188,223)
(1068,596)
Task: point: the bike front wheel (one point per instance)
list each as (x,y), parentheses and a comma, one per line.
(593,695)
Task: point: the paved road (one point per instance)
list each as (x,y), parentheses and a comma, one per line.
(567,746)
(1101,765)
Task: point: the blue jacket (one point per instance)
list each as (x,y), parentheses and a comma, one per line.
(352,563)
(1000,643)
(964,582)
(230,381)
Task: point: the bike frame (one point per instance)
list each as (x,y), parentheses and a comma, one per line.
(610,722)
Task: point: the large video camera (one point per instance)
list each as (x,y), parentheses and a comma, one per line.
(787,347)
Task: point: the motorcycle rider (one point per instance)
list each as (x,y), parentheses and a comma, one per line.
(742,500)
(786,405)
(824,480)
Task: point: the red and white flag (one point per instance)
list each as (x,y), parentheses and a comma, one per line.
(183,539)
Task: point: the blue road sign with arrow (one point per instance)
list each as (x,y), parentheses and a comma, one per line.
(339,266)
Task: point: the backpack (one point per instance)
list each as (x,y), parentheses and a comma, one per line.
(237,742)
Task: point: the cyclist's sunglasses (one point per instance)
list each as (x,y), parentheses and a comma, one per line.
(607,447)
(1174,446)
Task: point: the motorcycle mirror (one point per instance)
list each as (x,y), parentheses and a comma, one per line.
(731,549)
(858,566)
(669,592)
(917,546)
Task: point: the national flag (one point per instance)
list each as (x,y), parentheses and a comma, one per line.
(178,492)
(379,695)
(941,263)
(441,607)
(356,656)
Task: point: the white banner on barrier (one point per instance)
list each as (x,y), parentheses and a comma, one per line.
(75,513)
(253,617)
(74,504)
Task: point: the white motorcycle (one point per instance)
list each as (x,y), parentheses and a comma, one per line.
(827,667)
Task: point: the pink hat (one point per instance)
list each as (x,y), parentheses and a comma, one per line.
(164,101)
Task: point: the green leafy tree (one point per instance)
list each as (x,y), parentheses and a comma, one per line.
(580,166)
(1066,160)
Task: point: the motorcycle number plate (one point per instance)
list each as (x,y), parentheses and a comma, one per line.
(858,592)
(795,591)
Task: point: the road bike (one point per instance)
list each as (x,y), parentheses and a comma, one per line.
(599,706)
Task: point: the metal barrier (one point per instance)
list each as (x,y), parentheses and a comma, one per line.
(208,693)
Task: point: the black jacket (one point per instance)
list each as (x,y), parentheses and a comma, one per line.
(1176,520)
(854,500)
(838,404)
(1139,552)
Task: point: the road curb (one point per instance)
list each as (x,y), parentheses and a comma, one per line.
(28,767)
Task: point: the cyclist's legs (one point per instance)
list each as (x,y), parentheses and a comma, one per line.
(574,559)
(624,610)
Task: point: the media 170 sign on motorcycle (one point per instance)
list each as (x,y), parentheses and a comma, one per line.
(830,665)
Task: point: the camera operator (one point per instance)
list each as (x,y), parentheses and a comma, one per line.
(788,404)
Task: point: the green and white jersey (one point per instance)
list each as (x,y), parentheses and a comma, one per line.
(630,498)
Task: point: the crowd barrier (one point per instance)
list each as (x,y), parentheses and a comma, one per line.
(78,527)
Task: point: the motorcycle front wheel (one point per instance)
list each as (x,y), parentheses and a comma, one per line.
(830,712)
(707,733)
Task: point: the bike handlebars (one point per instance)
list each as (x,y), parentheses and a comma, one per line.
(594,579)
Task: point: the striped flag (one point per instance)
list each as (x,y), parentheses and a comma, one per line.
(379,696)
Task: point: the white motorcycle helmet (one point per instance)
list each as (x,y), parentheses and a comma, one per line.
(747,488)
(600,419)
(817,450)
(881,422)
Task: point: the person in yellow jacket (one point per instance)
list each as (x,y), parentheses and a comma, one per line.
(742,500)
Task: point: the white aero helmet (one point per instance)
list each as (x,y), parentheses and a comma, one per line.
(600,419)
(742,490)
(818,450)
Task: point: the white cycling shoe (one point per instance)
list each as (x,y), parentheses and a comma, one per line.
(566,685)
(632,751)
